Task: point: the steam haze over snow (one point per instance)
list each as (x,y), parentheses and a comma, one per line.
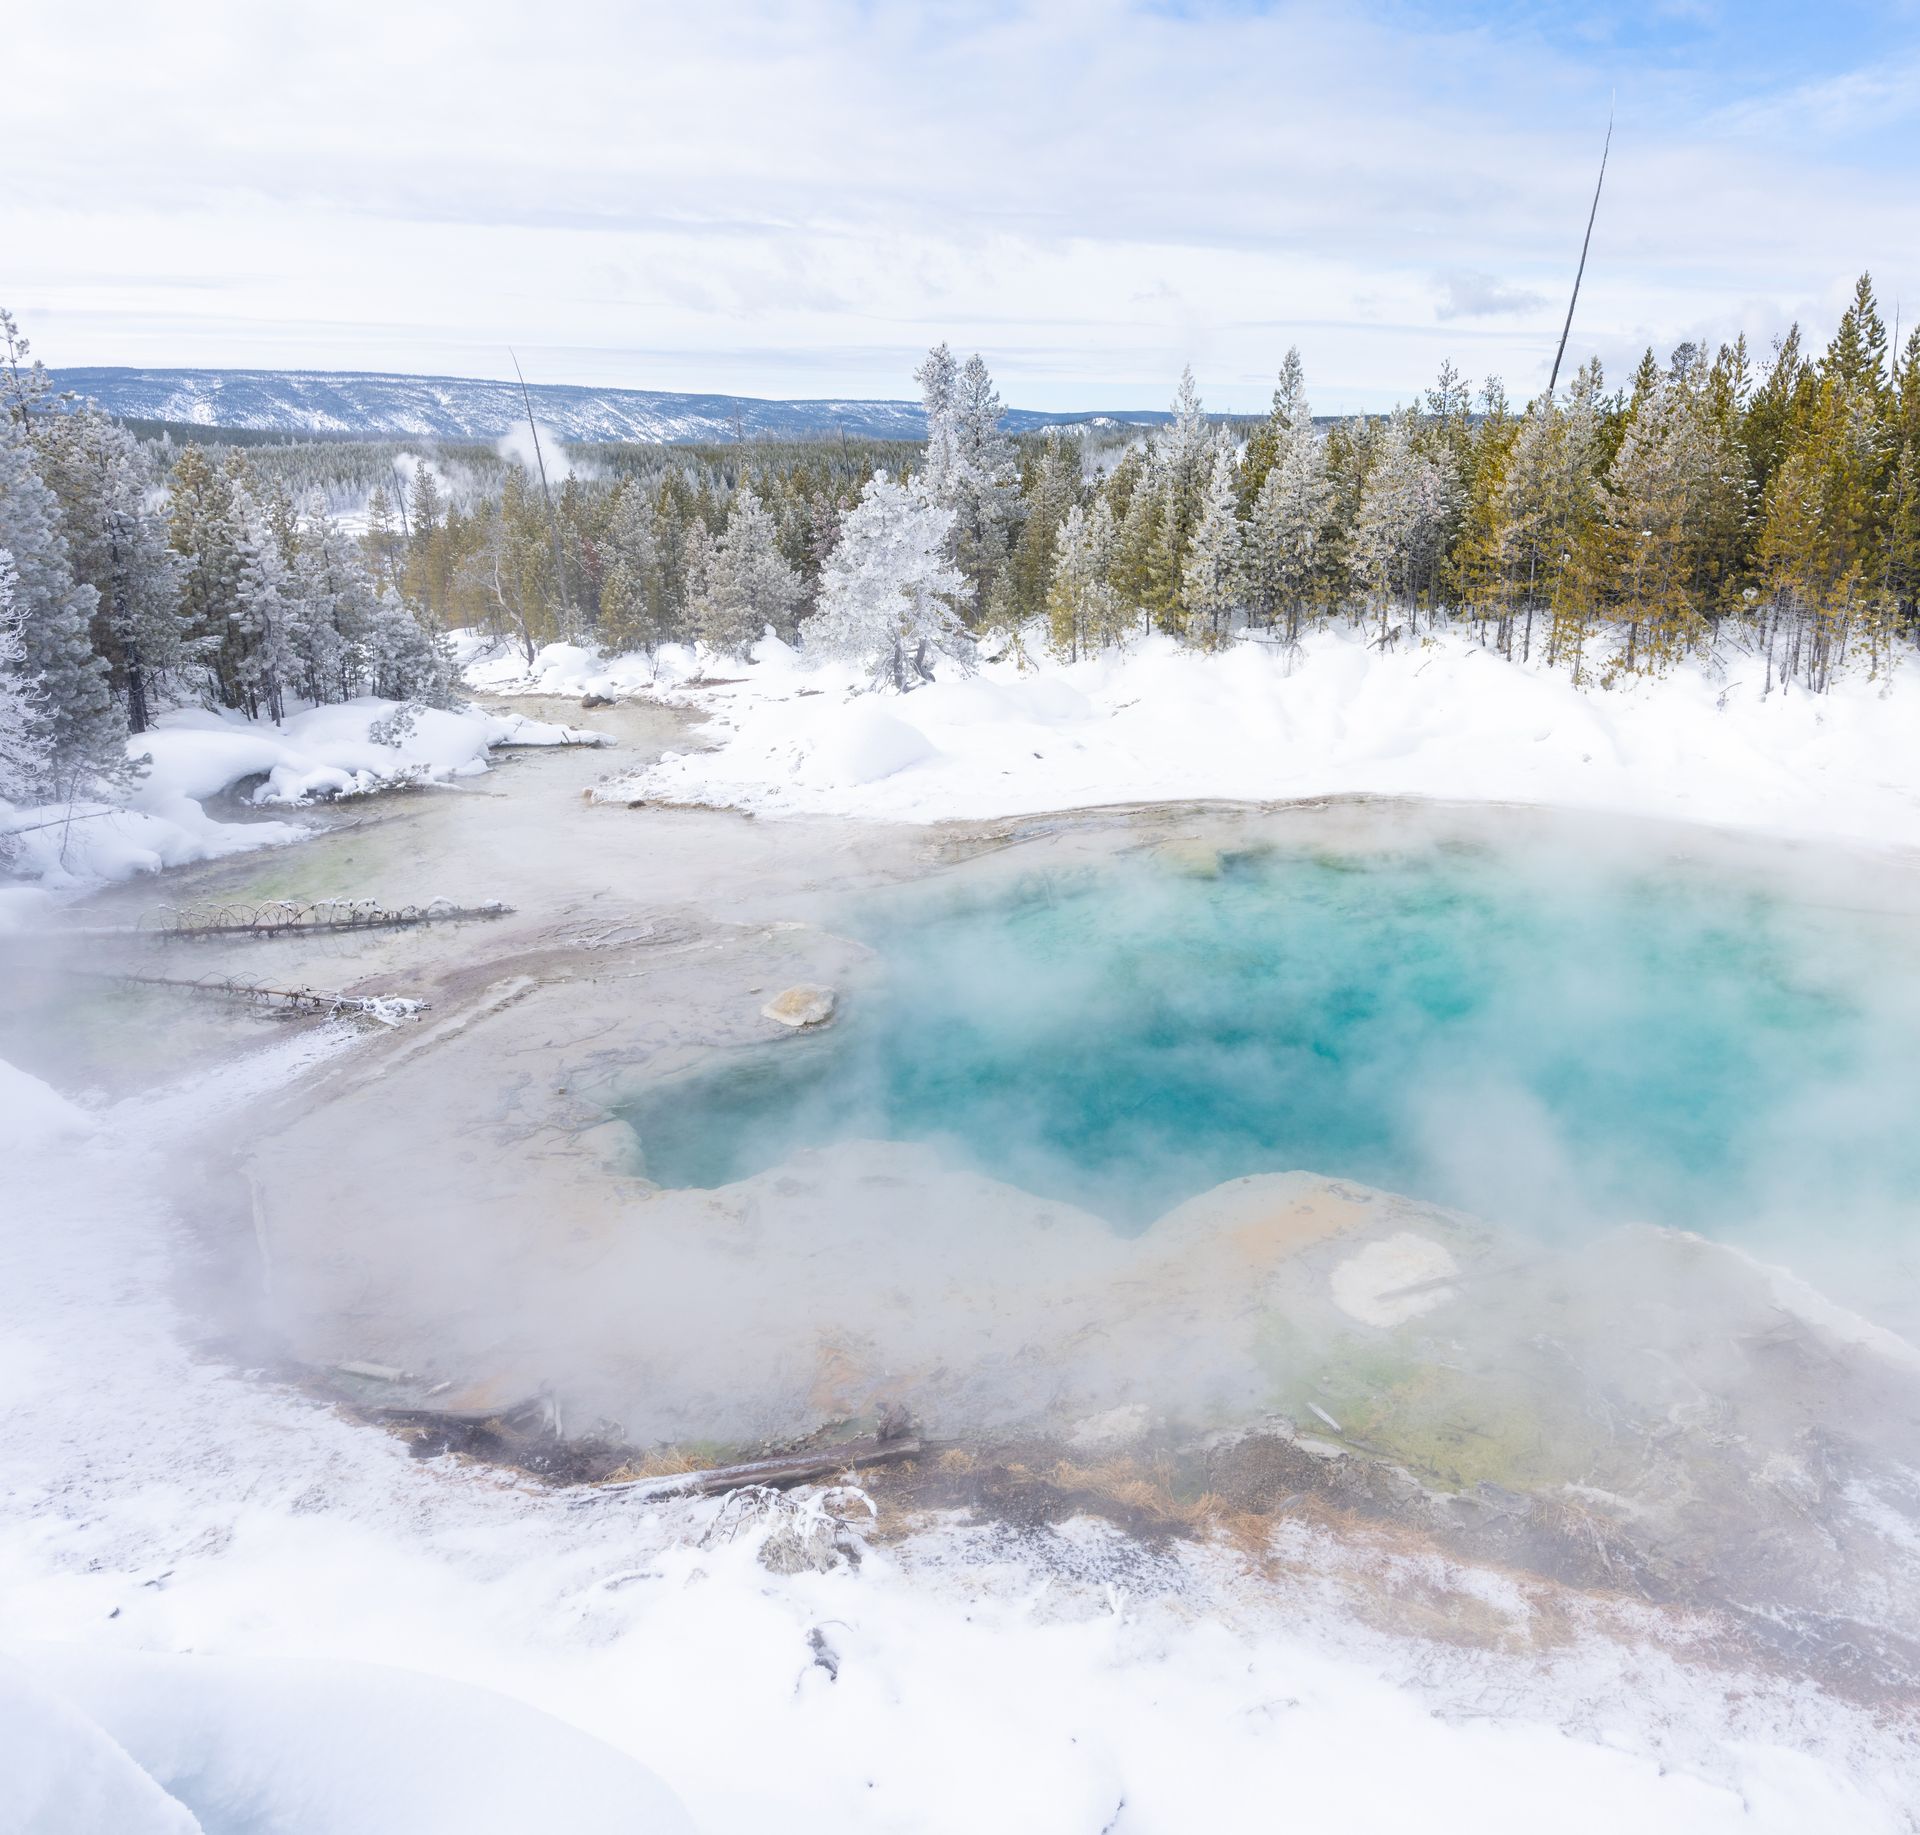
(798,200)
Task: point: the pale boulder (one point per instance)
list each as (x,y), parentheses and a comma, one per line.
(804,1005)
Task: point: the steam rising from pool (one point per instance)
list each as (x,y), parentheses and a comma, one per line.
(1560,1046)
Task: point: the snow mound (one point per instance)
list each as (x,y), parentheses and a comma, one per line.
(32,1114)
(330,1748)
(867,744)
(61,1773)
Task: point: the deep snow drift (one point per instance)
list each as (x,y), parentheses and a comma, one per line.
(190,1561)
(1440,717)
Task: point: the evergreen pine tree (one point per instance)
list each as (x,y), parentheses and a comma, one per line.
(1084,612)
(1284,547)
(1406,504)
(745,584)
(205,530)
(636,608)
(1056,488)
(81,741)
(22,767)
(1267,444)
(886,599)
(118,546)
(264,611)
(1212,580)
(939,380)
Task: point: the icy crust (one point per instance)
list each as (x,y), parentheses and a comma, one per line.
(347,749)
(1441,717)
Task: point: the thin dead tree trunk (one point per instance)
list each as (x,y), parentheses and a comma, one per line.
(1585,241)
(546,491)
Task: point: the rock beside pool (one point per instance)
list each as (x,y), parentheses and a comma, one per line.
(805,1005)
(1394,1279)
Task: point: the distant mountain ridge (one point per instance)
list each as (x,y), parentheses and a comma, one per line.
(378,406)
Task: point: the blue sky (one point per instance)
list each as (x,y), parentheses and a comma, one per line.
(797,199)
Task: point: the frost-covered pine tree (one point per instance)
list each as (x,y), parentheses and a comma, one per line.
(1380,545)
(1285,547)
(205,529)
(1407,504)
(1542,512)
(402,659)
(264,612)
(1291,414)
(986,502)
(1184,462)
(1211,583)
(939,378)
(82,735)
(636,604)
(971,469)
(1085,612)
(745,585)
(886,597)
(21,766)
(118,545)
(330,612)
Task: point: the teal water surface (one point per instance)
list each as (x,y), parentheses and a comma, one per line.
(1554,1046)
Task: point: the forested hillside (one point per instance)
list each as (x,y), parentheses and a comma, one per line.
(467,408)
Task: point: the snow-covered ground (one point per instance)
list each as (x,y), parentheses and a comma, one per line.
(1438,718)
(347,748)
(227,1608)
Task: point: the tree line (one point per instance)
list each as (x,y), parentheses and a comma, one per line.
(1711,505)
(1708,505)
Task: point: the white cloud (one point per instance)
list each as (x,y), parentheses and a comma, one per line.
(796,199)
(1467,293)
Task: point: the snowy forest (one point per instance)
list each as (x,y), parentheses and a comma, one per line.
(122,595)
(1713,502)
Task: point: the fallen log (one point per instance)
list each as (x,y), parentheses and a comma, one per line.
(283,917)
(389,1009)
(776,1472)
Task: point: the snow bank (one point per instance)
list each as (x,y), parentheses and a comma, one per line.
(347,749)
(32,1114)
(490,666)
(1440,718)
(257,1744)
(60,1772)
